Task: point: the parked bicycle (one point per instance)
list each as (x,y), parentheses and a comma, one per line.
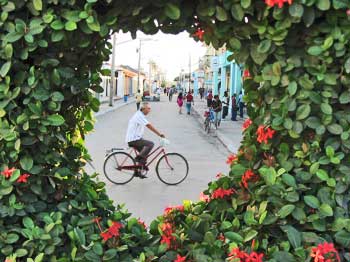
(120,167)
(210,120)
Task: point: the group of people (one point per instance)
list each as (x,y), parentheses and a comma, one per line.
(188,98)
(237,104)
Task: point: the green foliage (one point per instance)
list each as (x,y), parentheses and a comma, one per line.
(50,64)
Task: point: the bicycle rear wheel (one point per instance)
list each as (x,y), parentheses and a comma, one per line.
(206,124)
(172,168)
(119,168)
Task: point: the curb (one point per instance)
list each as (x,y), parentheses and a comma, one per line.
(113,108)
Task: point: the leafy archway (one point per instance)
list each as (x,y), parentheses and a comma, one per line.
(287,190)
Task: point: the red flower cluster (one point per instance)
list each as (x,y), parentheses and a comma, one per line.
(247,123)
(325,253)
(113,231)
(180,258)
(264,134)
(246,74)
(248,176)
(168,210)
(23,178)
(167,236)
(222,193)
(279,3)
(245,257)
(7,173)
(231,159)
(199,33)
(142,223)
(203,197)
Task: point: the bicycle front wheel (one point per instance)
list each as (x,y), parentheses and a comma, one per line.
(119,168)
(172,168)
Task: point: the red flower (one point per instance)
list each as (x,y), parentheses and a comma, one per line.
(325,253)
(23,178)
(106,235)
(113,230)
(199,33)
(167,236)
(247,176)
(203,197)
(180,258)
(231,158)
(168,210)
(264,134)
(245,257)
(246,74)
(218,175)
(221,237)
(222,193)
(7,173)
(280,3)
(142,223)
(247,123)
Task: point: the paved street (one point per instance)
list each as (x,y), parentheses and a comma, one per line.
(147,198)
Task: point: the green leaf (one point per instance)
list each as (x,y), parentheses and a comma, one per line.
(28,223)
(250,235)
(13,37)
(38,5)
(264,46)
(39,258)
(344,97)
(245,3)
(323,5)
(237,12)
(79,234)
(335,129)
(312,201)
(70,26)
(26,163)
(315,50)
(326,210)
(343,238)
(289,180)
(269,175)
(303,112)
(347,65)
(55,120)
(57,25)
(109,254)
(235,43)
(294,236)
(5,68)
(11,238)
(309,16)
(322,174)
(235,237)
(172,11)
(286,210)
(326,109)
(296,10)
(8,50)
(221,14)
(328,42)
(292,88)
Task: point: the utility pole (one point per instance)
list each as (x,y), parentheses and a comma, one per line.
(138,67)
(189,76)
(112,83)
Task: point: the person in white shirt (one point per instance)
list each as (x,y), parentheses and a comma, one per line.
(135,131)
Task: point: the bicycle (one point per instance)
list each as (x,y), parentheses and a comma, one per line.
(120,167)
(209,119)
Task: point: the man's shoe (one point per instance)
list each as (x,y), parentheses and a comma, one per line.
(139,175)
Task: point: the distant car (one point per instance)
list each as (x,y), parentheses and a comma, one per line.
(148,97)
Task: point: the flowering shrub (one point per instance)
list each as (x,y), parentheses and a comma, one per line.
(287,189)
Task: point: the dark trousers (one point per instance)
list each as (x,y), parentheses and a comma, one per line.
(138,106)
(241,106)
(201,94)
(224,112)
(144,147)
(209,102)
(233,115)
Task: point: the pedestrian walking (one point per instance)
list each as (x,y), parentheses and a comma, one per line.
(234,107)
(189,102)
(180,102)
(171,93)
(226,102)
(209,98)
(217,107)
(240,104)
(138,98)
(201,92)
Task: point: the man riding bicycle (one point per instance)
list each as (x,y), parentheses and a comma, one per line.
(135,131)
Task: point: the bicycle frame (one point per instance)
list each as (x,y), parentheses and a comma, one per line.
(159,148)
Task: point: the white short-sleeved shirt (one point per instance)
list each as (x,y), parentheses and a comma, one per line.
(136,127)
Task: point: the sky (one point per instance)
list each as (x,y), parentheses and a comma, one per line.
(171,52)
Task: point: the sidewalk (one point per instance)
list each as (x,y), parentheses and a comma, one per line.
(117,103)
(229,132)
